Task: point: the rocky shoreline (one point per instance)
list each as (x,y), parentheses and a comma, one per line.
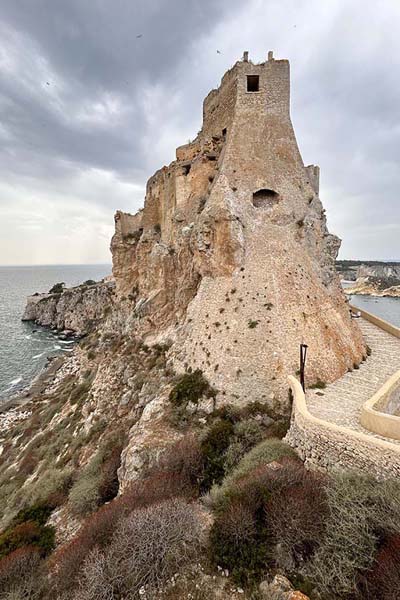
(71,311)
(369,288)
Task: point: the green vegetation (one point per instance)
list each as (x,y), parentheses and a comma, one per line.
(252,324)
(57,288)
(98,481)
(318,385)
(190,387)
(29,529)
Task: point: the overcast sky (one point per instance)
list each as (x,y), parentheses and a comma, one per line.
(89,110)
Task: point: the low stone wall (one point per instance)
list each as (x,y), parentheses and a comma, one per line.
(372,417)
(327,446)
(381,323)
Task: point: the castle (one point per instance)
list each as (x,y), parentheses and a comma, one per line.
(230,258)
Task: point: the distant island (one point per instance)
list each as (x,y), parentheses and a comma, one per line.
(371,277)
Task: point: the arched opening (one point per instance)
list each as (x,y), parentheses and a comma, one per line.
(265,198)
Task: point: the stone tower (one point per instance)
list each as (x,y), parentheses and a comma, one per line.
(231,258)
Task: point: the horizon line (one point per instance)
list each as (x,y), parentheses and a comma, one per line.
(58,265)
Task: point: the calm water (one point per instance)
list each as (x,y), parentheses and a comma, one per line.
(385,308)
(24,346)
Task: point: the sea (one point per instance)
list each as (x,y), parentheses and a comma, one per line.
(24,347)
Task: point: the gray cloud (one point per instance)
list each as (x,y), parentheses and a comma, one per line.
(88,110)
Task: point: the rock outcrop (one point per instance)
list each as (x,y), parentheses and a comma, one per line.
(375,286)
(76,309)
(280,589)
(374,278)
(231,258)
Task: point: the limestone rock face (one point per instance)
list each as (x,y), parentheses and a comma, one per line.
(75,309)
(280,589)
(231,254)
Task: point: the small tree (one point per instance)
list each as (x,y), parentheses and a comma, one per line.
(57,288)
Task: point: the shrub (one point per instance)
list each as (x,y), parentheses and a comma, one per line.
(382,581)
(296,513)
(247,434)
(271,516)
(239,538)
(148,548)
(360,512)
(57,288)
(185,461)
(98,482)
(50,482)
(89,282)
(190,387)
(21,575)
(268,451)
(37,512)
(98,529)
(318,385)
(239,543)
(213,448)
(252,324)
(84,496)
(28,533)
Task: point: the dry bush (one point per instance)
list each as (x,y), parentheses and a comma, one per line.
(98,481)
(382,582)
(296,513)
(360,511)
(270,450)
(149,546)
(97,531)
(184,462)
(21,575)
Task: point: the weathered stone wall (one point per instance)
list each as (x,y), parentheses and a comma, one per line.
(237,281)
(329,447)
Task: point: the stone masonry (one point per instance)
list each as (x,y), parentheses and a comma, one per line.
(231,259)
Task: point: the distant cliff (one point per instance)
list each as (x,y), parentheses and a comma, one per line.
(373,278)
(75,309)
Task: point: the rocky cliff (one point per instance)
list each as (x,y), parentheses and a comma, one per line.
(225,271)
(78,309)
(373,278)
(231,257)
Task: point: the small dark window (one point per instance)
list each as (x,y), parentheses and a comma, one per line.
(265,198)
(186,169)
(224,132)
(253,83)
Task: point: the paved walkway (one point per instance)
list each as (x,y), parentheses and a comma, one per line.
(340,402)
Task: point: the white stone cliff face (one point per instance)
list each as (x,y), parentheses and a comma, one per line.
(228,268)
(231,253)
(76,309)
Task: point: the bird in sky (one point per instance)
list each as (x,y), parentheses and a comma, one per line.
(219,52)
(47,83)
(140,35)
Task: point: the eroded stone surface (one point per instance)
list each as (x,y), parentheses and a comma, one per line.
(231,254)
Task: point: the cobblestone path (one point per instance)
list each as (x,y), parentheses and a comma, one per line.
(340,402)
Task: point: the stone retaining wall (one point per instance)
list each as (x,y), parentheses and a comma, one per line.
(373,416)
(327,446)
(381,323)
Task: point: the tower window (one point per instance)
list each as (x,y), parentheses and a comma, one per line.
(253,83)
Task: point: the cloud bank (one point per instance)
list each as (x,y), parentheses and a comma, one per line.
(95,96)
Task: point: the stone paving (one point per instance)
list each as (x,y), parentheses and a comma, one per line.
(341,401)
